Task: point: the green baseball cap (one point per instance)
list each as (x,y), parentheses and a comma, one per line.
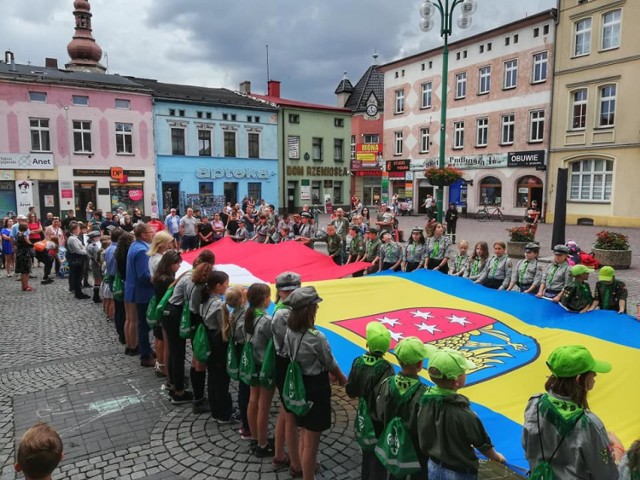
(451,363)
(573,360)
(606,274)
(410,351)
(580,269)
(378,337)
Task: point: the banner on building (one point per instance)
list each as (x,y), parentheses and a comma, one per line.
(26,161)
(24,196)
(368,154)
(294,148)
(532,158)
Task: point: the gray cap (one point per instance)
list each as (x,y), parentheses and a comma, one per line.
(288,281)
(306,215)
(532,247)
(372,230)
(563,249)
(93,234)
(301,297)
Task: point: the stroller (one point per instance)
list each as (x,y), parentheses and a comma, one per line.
(64,264)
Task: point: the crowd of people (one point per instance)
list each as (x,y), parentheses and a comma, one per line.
(134,268)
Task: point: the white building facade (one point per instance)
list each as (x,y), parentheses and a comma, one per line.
(498,112)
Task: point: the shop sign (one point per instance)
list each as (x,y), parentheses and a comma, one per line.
(117,173)
(368,153)
(294,147)
(300,171)
(26,161)
(398,166)
(24,196)
(493,160)
(104,172)
(532,158)
(367,173)
(305,189)
(7,175)
(203,172)
(135,194)
(66,189)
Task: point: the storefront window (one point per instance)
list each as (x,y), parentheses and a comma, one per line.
(490,191)
(529,189)
(337,193)
(127,196)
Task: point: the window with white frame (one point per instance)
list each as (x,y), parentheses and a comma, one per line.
(204,143)
(540,61)
(399,143)
(122,104)
(40,97)
(82,136)
(424,140)
(510,74)
(508,129)
(229,139)
(482,132)
(399,101)
(536,126)
(591,180)
(338,150)
(177,141)
(40,137)
(461,85)
(579,109)
(607,106)
(582,39)
(611,29)
(353,147)
(484,82)
(80,100)
(253,141)
(124,138)
(316,149)
(370,138)
(427,92)
(458,135)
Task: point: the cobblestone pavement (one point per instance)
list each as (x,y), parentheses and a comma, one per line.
(60,362)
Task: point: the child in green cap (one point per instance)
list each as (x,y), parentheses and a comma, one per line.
(610,293)
(561,436)
(576,297)
(398,396)
(448,428)
(367,371)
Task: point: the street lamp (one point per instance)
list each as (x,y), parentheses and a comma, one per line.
(446,8)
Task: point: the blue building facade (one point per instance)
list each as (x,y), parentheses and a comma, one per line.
(213,146)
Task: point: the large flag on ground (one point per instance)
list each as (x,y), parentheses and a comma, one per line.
(507,334)
(250,262)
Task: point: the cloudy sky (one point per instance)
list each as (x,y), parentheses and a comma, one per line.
(221,43)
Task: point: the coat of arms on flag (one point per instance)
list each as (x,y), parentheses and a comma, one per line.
(492,345)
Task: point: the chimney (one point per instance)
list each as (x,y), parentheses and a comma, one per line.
(273,88)
(10,58)
(51,63)
(245,87)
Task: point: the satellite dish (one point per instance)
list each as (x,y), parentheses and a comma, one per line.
(427,9)
(464,22)
(426,24)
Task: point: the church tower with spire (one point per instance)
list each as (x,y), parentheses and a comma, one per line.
(84,52)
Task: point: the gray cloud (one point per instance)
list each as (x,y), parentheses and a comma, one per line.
(220,43)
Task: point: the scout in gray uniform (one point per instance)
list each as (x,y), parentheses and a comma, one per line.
(438,247)
(477,262)
(334,245)
(557,275)
(342,228)
(286,428)
(497,275)
(307,231)
(261,230)
(372,250)
(414,251)
(558,426)
(459,264)
(356,245)
(527,275)
(218,331)
(390,253)
(242,233)
(257,328)
(310,348)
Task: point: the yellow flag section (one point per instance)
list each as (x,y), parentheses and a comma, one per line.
(510,352)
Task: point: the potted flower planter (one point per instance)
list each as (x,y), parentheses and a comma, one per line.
(516,249)
(620,259)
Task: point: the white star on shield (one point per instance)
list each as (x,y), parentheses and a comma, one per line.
(396,336)
(423,315)
(388,321)
(459,320)
(432,329)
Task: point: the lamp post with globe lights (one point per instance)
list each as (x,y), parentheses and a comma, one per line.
(446,9)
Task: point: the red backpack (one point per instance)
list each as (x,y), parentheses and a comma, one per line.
(588,260)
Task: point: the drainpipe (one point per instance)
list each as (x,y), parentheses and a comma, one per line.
(545,189)
(285,193)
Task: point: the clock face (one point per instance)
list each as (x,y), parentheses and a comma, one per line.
(372,110)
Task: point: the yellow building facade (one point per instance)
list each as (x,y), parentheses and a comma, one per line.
(596,112)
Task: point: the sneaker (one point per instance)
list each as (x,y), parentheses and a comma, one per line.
(149,362)
(186,397)
(253,445)
(200,406)
(32,275)
(46,281)
(82,296)
(234,418)
(266,451)
(245,434)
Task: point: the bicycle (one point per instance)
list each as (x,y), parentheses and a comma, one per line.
(485,213)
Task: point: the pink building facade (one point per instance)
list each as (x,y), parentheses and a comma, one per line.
(498,117)
(69,138)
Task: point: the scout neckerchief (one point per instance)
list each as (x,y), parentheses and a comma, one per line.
(606,295)
(523,270)
(474,267)
(585,289)
(458,262)
(389,249)
(436,248)
(371,242)
(494,267)
(552,273)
